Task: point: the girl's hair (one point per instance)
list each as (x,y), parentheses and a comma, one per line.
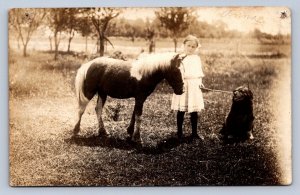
(192,38)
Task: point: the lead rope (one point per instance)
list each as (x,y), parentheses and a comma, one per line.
(204,88)
(215,90)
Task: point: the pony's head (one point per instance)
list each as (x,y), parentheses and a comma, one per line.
(173,74)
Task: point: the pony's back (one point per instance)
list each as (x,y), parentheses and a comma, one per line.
(110,64)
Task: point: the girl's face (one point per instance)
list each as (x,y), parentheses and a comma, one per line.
(190,47)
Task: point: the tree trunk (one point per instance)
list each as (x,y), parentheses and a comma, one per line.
(175,44)
(151,46)
(24,50)
(101,44)
(56,46)
(18,41)
(86,41)
(50,41)
(56,52)
(69,44)
(98,43)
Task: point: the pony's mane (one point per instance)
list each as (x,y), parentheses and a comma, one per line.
(146,64)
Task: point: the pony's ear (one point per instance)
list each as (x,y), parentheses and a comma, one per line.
(181,56)
(175,57)
(249,85)
(177,61)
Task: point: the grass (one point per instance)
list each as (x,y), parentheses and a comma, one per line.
(42,108)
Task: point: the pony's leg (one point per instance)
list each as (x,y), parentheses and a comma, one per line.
(99,107)
(80,110)
(138,110)
(130,128)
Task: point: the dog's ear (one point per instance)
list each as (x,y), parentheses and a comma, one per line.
(250,94)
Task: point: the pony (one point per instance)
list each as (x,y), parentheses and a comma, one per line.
(121,79)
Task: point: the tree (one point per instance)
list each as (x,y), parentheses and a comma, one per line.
(150,34)
(176,20)
(84,25)
(160,30)
(58,20)
(100,18)
(72,23)
(26,21)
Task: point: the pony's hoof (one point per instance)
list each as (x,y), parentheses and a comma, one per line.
(197,137)
(130,131)
(103,134)
(136,144)
(76,131)
(136,139)
(133,141)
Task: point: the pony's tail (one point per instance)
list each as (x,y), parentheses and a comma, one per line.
(79,83)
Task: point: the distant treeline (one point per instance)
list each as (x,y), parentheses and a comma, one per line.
(105,22)
(121,27)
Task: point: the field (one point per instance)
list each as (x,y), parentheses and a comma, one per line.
(42,107)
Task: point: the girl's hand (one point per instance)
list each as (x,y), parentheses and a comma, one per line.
(202,88)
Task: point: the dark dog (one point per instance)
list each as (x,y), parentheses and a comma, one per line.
(239,122)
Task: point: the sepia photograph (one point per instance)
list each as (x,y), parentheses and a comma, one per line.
(150,96)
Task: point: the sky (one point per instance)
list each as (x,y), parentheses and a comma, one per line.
(244,19)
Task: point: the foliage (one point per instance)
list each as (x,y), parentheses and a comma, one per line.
(105,23)
(58,19)
(101,18)
(127,28)
(26,21)
(266,38)
(176,20)
(72,24)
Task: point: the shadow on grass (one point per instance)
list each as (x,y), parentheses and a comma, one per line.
(183,163)
(163,146)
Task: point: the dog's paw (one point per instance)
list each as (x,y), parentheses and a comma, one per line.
(250,135)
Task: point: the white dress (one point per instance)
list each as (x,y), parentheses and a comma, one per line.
(192,99)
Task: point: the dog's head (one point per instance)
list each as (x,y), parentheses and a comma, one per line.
(242,93)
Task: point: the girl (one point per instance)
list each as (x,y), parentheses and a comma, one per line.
(191,100)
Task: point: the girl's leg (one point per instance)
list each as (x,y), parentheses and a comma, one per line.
(180,117)
(194,121)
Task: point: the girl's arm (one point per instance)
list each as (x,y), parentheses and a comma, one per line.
(201,85)
(201,73)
